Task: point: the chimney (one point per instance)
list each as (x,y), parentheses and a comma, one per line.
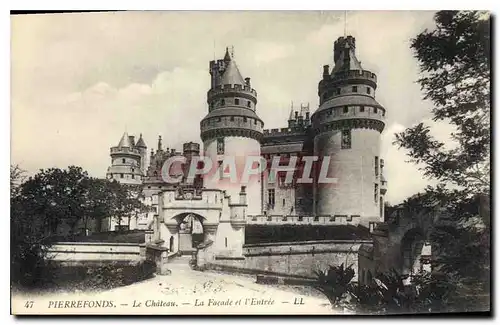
(326,70)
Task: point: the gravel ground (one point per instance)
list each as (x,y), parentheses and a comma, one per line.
(190,292)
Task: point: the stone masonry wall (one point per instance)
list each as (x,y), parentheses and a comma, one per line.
(293,258)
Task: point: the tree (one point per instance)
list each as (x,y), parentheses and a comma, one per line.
(455,65)
(56,202)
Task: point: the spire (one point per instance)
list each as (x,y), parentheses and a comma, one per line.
(291,114)
(159,143)
(141,143)
(231,75)
(125,141)
(227,57)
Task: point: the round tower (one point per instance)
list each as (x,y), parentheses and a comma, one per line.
(125,162)
(347,129)
(231,129)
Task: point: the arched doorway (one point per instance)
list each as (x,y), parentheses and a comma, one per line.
(190,230)
(411,250)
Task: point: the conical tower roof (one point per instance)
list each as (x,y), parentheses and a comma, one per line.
(141,143)
(125,141)
(231,75)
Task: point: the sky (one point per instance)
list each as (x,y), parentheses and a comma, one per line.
(78,81)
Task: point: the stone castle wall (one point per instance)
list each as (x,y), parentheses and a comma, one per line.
(292,258)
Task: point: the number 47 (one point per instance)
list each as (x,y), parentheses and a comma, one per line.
(28,304)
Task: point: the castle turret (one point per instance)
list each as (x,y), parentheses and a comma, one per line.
(347,127)
(143,149)
(232,128)
(126,161)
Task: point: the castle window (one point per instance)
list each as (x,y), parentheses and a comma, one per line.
(338,91)
(221,170)
(376,166)
(354,89)
(361,109)
(283,202)
(121,175)
(375,110)
(236,101)
(381,208)
(368,90)
(223,102)
(254,121)
(133,170)
(225,241)
(133,176)
(220,146)
(375,194)
(249,103)
(232,118)
(346,109)
(346,139)
(270,197)
(245,119)
(123,160)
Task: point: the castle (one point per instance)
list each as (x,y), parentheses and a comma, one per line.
(346,128)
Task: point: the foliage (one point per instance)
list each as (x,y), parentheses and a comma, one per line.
(101,277)
(389,292)
(455,66)
(334,282)
(455,63)
(54,202)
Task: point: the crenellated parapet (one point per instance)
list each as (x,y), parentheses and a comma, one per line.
(221,91)
(350,117)
(125,151)
(285,132)
(350,76)
(300,220)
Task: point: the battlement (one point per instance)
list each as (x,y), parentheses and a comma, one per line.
(219,89)
(217,65)
(350,75)
(340,44)
(303,220)
(285,131)
(124,150)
